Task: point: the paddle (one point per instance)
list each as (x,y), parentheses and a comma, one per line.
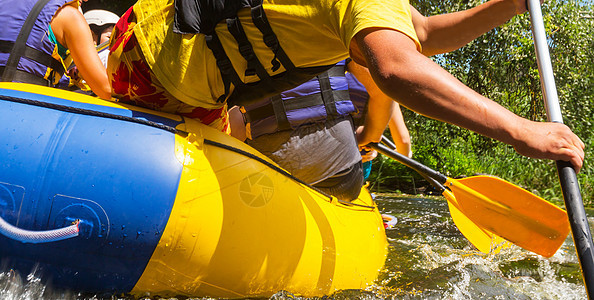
(483,240)
(495,206)
(580,229)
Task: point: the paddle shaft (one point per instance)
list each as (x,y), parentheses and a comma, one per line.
(580,229)
(411,163)
(398,157)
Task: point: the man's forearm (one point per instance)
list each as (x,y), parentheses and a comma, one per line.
(423,86)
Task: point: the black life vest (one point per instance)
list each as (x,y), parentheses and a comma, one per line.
(202,16)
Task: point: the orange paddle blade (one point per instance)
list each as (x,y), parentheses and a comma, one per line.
(482,239)
(511,212)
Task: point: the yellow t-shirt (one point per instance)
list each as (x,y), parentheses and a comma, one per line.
(312,33)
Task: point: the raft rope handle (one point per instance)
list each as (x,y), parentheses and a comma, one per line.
(94,113)
(38,237)
(174,130)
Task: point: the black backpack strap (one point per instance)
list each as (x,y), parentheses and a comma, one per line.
(267,110)
(337,71)
(36,55)
(202,16)
(22,76)
(224,63)
(280,113)
(254,66)
(270,39)
(327,95)
(44,59)
(21,42)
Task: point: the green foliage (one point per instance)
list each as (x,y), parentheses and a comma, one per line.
(501,65)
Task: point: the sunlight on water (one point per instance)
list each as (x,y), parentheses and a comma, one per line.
(428,259)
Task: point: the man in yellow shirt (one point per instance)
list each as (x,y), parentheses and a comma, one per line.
(168,56)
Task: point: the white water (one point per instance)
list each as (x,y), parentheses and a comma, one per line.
(446,266)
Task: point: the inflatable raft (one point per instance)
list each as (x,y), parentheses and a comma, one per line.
(100,197)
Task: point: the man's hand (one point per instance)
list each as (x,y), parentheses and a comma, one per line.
(521,6)
(365,137)
(551,140)
(368,155)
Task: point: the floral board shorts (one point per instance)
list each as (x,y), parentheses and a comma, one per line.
(133,82)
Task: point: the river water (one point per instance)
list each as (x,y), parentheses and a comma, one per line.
(428,259)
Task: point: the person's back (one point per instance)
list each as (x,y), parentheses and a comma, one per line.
(318,26)
(308,131)
(35,38)
(186,66)
(197,62)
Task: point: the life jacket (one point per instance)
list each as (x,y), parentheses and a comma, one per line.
(202,16)
(322,98)
(359,97)
(25,48)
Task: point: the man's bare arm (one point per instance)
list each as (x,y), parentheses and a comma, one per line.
(418,83)
(448,32)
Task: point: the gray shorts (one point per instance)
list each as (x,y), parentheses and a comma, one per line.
(345,185)
(317,152)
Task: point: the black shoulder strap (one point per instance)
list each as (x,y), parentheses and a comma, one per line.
(337,71)
(270,39)
(21,41)
(254,66)
(202,16)
(44,59)
(36,55)
(224,63)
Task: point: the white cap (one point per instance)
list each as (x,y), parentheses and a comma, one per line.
(100,17)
